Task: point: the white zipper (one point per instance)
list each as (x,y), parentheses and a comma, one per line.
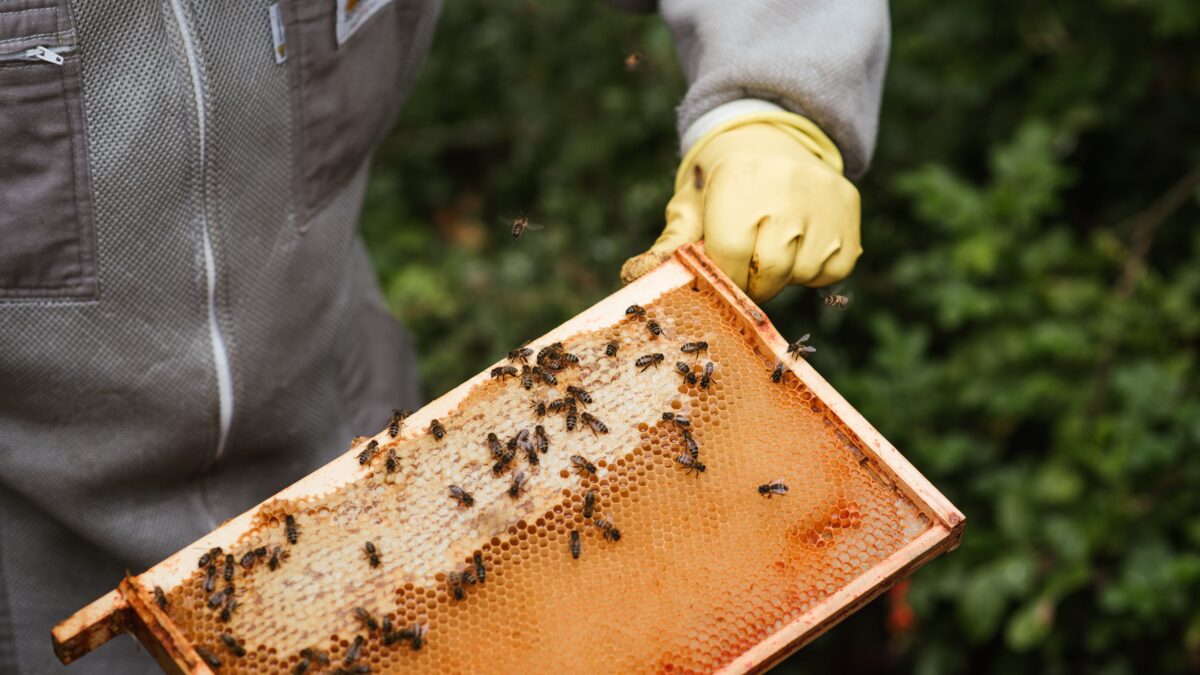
(39,53)
(220,353)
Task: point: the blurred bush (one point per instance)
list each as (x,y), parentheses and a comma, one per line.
(1025,322)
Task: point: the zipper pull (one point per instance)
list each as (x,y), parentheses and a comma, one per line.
(44,54)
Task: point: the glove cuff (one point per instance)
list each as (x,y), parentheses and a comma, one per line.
(800,128)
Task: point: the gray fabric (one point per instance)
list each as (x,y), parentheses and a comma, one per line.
(109,408)
(824,59)
(48,240)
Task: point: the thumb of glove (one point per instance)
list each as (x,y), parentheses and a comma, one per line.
(683,227)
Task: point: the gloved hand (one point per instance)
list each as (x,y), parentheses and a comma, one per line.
(765,192)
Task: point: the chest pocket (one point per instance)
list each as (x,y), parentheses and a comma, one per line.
(47,236)
(344,97)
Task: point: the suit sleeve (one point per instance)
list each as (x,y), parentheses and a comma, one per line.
(824,59)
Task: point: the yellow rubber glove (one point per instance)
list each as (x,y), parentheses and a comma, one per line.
(765,192)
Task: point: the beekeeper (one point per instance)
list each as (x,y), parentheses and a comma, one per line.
(188,319)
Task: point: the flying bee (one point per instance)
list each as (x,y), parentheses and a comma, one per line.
(209,657)
(518,485)
(371,553)
(557,405)
(293,533)
(278,555)
(580,394)
(634,61)
(364,617)
(354,650)
(454,582)
(232,644)
(798,349)
(520,225)
(436,428)
(576,545)
(635,311)
(501,372)
(648,360)
(582,465)
(775,487)
(777,374)
(696,348)
(594,423)
(698,177)
(690,463)
(209,556)
(368,452)
(611,533)
(589,503)
(526,377)
(655,329)
(210,579)
(480,570)
(541,439)
(692,446)
(460,495)
(686,371)
(539,408)
(160,598)
(835,300)
(707,379)
(393,463)
(228,573)
(611,348)
(247,560)
(520,355)
(545,375)
(679,420)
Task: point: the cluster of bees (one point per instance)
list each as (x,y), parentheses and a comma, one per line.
(549,362)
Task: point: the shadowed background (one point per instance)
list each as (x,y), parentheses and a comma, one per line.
(1024,324)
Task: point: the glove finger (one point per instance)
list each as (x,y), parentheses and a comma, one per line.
(731,223)
(772,264)
(839,224)
(683,227)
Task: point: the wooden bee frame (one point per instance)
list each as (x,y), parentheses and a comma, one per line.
(130,608)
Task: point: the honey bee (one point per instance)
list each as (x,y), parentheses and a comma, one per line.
(636,311)
(278,555)
(506,458)
(436,428)
(580,394)
(545,375)
(397,421)
(542,440)
(261,551)
(368,452)
(210,579)
(611,348)
(539,408)
(460,495)
(572,418)
(531,454)
(293,533)
(371,553)
(589,503)
(247,560)
(557,405)
(209,556)
(160,598)
(480,570)
(679,420)
(777,374)
(358,669)
(775,487)
(501,372)
(836,300)
(690,463)
(648,360)
(454,582)
(655,329)
(693,447)
(227,610)
(611,533)
(518,484)
(389,633)
(520,355)
(520,225)
(209,657)
(393,463)
(494,447)
(416,633)
(698,177)
(707,379)
(686,371)
(549,353)
(315,655)
(217,599)
(695,348)
(228,573)
(364,617)
(634,61)
(526,377)
(594,423)
(798,349)
(576,545)
(354,650)
(232,644)
(582,465)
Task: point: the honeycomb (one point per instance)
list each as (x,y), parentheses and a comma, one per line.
(705,568)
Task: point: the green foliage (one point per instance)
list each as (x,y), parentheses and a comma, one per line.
(1025,323)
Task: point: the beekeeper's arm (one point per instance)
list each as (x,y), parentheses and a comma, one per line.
(782,106)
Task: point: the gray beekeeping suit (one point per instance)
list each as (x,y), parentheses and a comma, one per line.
(188,321)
